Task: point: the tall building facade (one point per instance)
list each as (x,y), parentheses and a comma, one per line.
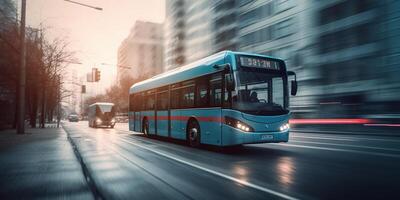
(141,53)
(345,52)
(358,53)
(284,29)
(175,32)
(196,29)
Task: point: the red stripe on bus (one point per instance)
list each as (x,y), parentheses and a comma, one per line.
(185,118)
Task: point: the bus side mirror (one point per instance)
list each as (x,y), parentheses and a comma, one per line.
(293,88)
(226,67)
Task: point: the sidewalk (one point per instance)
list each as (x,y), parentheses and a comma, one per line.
(40,165)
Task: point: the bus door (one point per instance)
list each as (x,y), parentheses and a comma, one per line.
(211,124)
(138,108)
(162,113)
(150,101)
(175,113)
(137,126)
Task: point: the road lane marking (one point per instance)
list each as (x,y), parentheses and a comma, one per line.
(325,138)
(336,149)
(346,145)
(242,182)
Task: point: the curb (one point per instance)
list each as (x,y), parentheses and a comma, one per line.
(88,177)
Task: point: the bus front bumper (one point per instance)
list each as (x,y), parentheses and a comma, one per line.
(232,136)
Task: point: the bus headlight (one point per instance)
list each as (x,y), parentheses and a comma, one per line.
(113,120)
(238,124)
(98,121)
(284,127)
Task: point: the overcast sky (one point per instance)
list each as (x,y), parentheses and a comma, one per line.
(94,35)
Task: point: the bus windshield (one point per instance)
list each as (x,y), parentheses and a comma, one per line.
(259,92)
(105,111)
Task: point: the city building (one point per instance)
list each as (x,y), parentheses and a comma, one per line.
(345,52)
(141,53)
(358,53)
(196,29)
(175,33)
(284,29)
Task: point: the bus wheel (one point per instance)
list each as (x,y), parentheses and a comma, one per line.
(193,133)
(145,127)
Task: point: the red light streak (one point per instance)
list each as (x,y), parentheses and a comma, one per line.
(330,121)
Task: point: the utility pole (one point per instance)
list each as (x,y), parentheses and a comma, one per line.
(58,101)
(22,74)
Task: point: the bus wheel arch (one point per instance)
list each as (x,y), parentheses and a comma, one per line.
(193,132)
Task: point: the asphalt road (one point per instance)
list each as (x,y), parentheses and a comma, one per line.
(126,165)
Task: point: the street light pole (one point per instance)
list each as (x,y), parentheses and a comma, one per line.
(82,4)
(22,74)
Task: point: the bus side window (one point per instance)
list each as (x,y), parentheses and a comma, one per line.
(162,101)
(215,90)
(175,98)
(202,93)
(187,97)
(131,104)
(150,100)
(138,102)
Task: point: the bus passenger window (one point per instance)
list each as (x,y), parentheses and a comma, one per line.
(162,101)
(215,93)
(175,97)
(131,103)
(187,97)
(202,94)
(150,102)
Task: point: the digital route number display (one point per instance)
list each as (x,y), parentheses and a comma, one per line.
(265,63)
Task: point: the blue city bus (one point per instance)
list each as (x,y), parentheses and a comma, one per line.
(229,98)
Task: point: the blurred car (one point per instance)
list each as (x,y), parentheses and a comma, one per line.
(73,118)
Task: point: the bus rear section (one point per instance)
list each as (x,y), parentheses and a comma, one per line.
(101,115)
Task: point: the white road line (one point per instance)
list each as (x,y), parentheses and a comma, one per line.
(324,138)
(346,145)
(336,149)
(242,182)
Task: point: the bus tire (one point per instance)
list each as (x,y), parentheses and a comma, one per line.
(193,133)
(145,126)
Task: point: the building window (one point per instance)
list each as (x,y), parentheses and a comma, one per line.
(283,28)
(282,5)
(344,9)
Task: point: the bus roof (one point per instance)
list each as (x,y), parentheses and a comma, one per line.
(102,103)
(186,72)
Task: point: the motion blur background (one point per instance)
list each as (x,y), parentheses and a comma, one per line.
(346,53)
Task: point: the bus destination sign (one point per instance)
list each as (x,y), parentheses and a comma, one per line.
(258,62)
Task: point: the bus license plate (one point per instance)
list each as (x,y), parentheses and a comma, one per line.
(267,137)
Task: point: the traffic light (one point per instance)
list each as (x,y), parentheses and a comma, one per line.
(97,76)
